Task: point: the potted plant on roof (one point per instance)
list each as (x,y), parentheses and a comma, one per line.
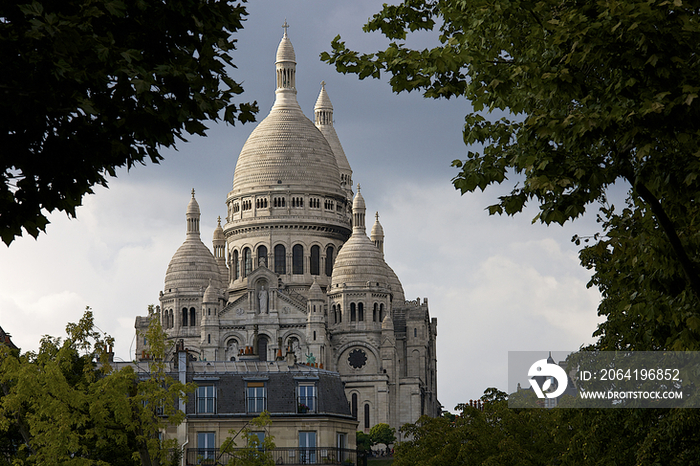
(302,408)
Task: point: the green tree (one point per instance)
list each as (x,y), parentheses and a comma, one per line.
(493,435)
(382,434)
(255,452)
(594,94)
(92,85)
(363,442)
(70,406)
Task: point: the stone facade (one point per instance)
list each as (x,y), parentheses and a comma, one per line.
(294,271)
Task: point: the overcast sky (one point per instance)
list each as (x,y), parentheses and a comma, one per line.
(495,284)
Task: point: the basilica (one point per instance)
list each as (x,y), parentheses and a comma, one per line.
(293,273)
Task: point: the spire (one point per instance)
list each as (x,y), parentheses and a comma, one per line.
(285,66)
(192,215)
(323,110)
(358,212)
(377,234)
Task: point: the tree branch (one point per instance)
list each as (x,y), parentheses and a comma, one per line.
(670,231)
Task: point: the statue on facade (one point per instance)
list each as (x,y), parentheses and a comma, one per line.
(262,297)
(310,359)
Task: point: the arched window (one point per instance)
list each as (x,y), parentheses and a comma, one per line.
(247,261)
(415,332)
(262,254)
(366,415)
(329,261)
(280,259)
(353,406)
(236,266)
(298,259)
(193,317)
(262,348)
(360,312)
(184,317)
(315,266)
(335,316)
(381,312)
(340,315)
(374,313)
(352,312)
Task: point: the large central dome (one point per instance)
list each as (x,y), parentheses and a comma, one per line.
(286,150)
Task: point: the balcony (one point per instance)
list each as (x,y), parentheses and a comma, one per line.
(306,404)
(289,456)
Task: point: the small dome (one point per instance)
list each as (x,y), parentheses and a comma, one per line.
(193,265)
(210,294)
(193,206)
(359,262)
(323,102)
(359,202)
(315,291)
(218,231)
(377,230)
(285,51)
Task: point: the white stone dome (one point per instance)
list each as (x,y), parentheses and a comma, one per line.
(358,262)
(192,266)
(286,149)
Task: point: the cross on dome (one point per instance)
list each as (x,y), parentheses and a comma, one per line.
(285,26)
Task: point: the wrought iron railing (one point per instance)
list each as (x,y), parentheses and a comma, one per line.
(288,456)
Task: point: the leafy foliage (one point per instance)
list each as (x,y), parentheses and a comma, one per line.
(596,94)
(70,406)
(92,85)
(255,452)
(382,433)
(500,435)
(363,441)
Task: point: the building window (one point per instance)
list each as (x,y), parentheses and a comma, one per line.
(193,315)
(307,447)
(256,397)
(184,317)
(366,415)
(280,259)
(206,445)
(374,313)
(236,266)
(262,255)
(353,406)
(352,312)
(315,265)
(206,399)
(262,348)
(256,440)
(360,312)
(381,313)
(306,401)
(248,261)
(340,315)
(415,332)
(329,261)
(298,259)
